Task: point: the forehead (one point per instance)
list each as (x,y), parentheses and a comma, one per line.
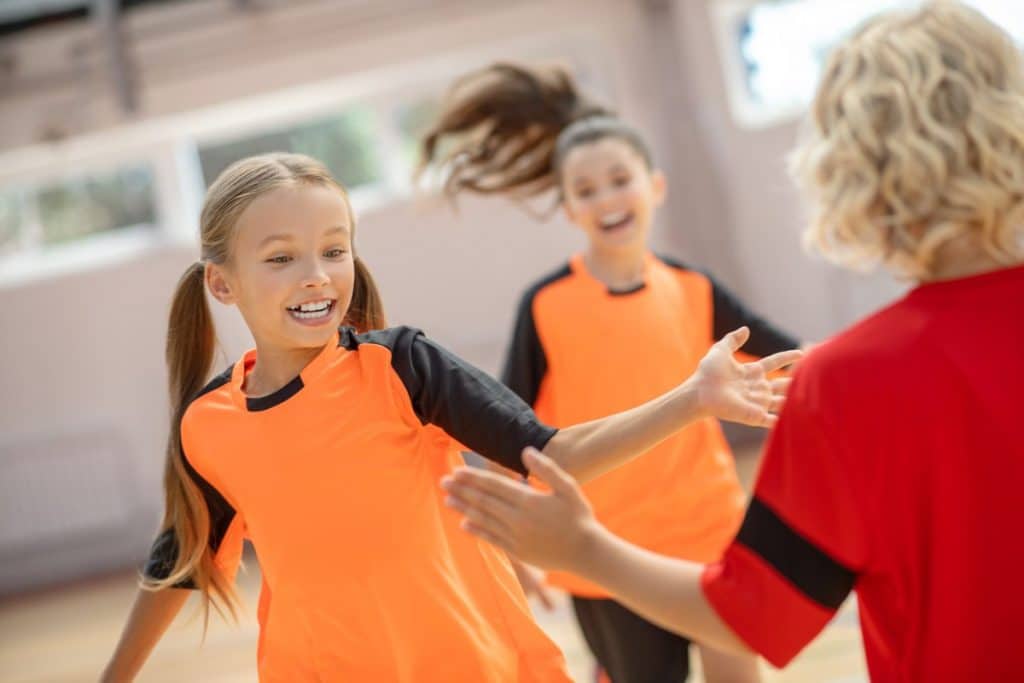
(601,156)
(296,207)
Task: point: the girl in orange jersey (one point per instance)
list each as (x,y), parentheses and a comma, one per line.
(612,328)
(324,445)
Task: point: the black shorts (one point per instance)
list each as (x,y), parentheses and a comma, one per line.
(629,648)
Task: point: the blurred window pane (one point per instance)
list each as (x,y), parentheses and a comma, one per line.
(344,142)
(10,221)
(783,43)
(96,203)
(412,121)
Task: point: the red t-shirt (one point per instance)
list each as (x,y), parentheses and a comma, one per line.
(896,470)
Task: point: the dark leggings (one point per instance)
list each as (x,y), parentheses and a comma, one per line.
(629,648)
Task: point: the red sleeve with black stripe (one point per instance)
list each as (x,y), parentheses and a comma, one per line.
(802,542)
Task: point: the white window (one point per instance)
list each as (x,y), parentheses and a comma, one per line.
(773,50)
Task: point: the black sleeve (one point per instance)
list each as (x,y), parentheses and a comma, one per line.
(164,552)
(730,313)
(525,362)
(471,406)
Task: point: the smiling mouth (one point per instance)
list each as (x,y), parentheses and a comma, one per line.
(615,221)
(314,310)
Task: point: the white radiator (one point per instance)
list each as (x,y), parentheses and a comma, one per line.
(69,506)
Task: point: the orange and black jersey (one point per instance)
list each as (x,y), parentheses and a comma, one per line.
(526,364)
(580,351)
(334,480)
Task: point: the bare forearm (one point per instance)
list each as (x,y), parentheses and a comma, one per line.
(151,615)
(590,449)
(664,590)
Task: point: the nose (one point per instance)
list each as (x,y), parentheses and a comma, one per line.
(607,199)
(315,275)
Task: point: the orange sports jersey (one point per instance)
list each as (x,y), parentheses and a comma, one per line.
(334,479)
(580,351)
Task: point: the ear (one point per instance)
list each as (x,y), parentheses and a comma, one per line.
(218,284)
(659,187)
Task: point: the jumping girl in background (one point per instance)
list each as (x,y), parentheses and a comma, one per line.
(612,328)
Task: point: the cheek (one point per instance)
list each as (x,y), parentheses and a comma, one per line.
(639,198)
(580,211)
(343,276)
(266,290)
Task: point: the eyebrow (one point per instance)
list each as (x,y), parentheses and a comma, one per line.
(285,237)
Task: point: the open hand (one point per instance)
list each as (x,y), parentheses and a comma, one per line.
(741,392)
(549,530)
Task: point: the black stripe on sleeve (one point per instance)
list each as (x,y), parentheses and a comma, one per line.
(729,313)
(164,551)
(812,571)
(526,363)
(467,403)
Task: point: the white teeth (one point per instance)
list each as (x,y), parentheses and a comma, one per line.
(317,306)
(319,309)
(612,219)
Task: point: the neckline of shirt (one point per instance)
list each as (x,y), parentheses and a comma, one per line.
(579,266)
(275,398)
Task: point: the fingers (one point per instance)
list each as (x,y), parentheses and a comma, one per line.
(485,482)
(735,339)
(492,536)
(484,512)
(545,469)
(779,360)
(780,385)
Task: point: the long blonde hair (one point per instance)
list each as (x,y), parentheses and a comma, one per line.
(916,138)
(190,351)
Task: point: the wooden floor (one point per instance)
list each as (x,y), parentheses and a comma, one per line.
(64,635)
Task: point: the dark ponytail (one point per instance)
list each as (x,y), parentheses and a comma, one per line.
(506,129)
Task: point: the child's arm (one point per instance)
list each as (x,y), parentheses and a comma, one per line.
(150,618)
(486,417)
(804,541)
(721,387)
(558,531)
(154,611)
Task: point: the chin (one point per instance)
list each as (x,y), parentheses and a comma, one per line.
(313,337)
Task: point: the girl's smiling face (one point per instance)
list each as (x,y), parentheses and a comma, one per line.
(290,270)
(610,193)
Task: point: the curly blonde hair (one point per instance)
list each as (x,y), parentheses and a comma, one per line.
(916,138)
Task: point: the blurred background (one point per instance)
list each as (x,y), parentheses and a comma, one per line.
(116,115)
